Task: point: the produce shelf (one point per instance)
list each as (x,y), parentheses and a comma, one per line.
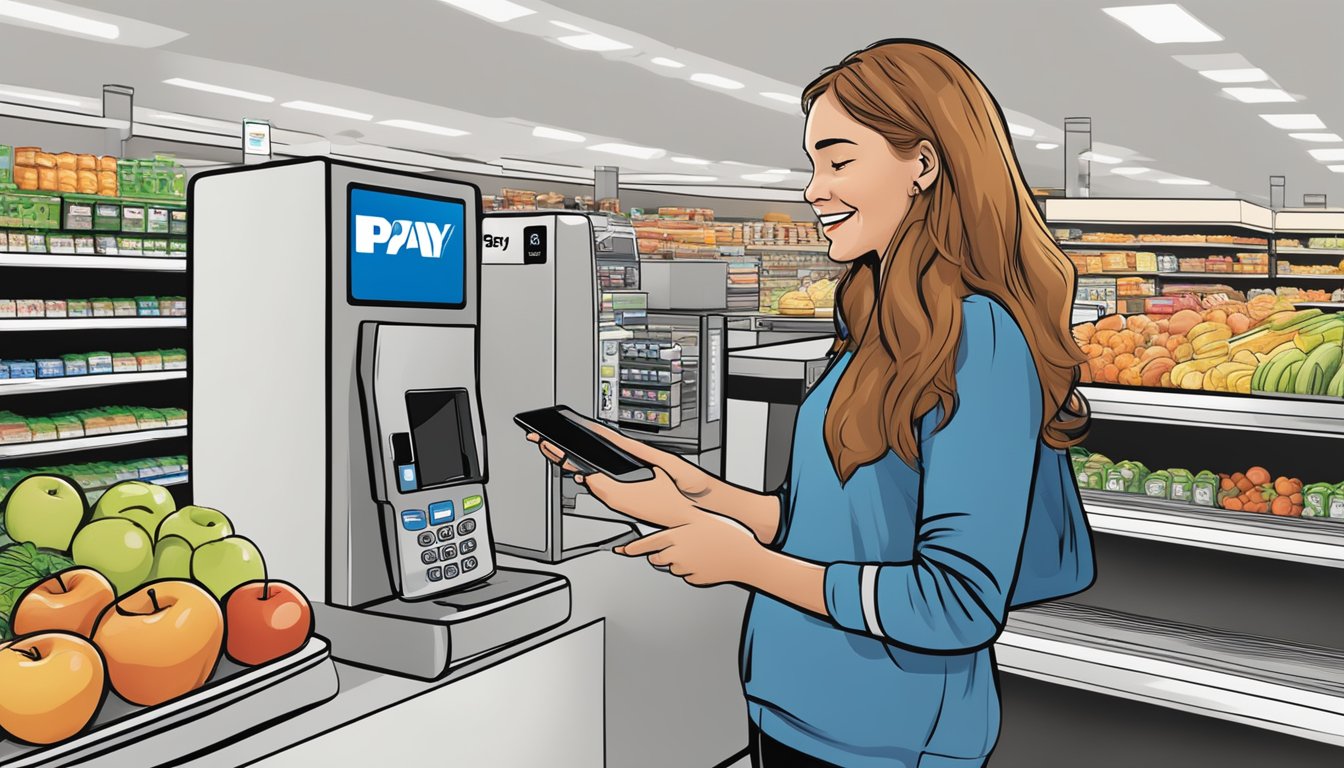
(164,480)
(69,445)
(92,323)
(1147,246)
(65,261)
(1290,415)
(11,387)
(1302,540)
(1276,685)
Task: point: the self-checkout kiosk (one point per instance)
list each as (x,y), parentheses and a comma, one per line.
(539,308)
(337,414)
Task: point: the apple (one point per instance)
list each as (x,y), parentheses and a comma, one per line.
(172,559)
(224,564)
(51,685)
(266,620)
(70,600)
(144,503)
(161,641)
(197,525)
(45,510)
(117,548)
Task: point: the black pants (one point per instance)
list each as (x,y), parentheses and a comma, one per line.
(768,753)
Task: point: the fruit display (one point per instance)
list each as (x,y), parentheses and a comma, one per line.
(1255,490)
(1305,362)
(132,598)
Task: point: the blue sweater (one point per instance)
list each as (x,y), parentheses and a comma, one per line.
(922,566)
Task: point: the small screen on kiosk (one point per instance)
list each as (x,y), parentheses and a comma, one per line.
(406,249)
(441,431)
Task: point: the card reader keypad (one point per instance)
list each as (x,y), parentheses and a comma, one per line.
(447,540)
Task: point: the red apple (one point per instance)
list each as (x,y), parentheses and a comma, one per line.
(161,641)
(51,685)
(70,600)
(266,620)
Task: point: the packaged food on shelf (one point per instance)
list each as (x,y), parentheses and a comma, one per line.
(174,359)
(106,246)
(156,220)
(75,365)
(42,429)
(78,308)
(68,427)
(55,308)
(1336,508)
(1326,242)
(148,418)
(125,307)
(37,243)
(1204,489)
(1094,472)
(102,307)
(177,221)
(1126,477)
(132,217)
(17,242)
(61,244)
(8,308)
(1316,499)
(147,306)
(149,361)
(14,429)
(78,214)
(130,246)
(176,416)
(22,369)
(125,362)
(84,245)
(50,368)
(1158,485)
(30,308)
(99,362)
(4,371)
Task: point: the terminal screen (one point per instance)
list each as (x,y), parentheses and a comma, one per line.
(441,431)
(406,249)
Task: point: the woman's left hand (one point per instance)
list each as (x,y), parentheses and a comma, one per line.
(709,549)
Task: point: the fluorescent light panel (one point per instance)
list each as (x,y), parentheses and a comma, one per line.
(1021,130)
(219,90)
(63,101)
(663,61)
(1236,75)
(1129,171)
(592,42)
(782,97)
(324,109)
(718,81)
(1327,138)
(784,171)
(1184,182)
(68,22)
(413,125)
(542,132)
(1336,168)
(1259,95)
(690,161)
(1047,145)
(666,177)
(628,150)
(570,27)
(1326,155)
(764,178)
(1295,122)
(1099,158)
(1165,23)
(498,11)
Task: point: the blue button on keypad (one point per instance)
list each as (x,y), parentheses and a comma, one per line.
(413,519)
(441,512)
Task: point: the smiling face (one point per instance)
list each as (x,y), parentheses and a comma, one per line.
(861,186)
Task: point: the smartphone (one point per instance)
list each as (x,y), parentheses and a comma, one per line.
(562,427)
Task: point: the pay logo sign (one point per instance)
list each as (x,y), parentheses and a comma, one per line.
(426,236)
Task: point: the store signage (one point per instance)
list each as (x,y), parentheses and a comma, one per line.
(426,236)
(406,248)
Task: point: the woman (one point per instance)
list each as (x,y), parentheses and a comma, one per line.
(929,489)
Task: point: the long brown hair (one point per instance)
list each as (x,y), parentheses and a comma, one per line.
(975,230)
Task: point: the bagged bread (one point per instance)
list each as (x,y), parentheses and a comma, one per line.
(107,164)
(48,179)
(797,303)
(46,160)
(86,163)
(88,182)
(26,156)
(67,176)
(779,218)
(67,161)
(25,176)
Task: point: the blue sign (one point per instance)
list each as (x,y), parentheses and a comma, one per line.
(406,249)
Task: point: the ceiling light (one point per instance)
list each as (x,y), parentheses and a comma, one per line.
(190,119)
(1166,23)
(1099,158)
(1336,168)
(323,109)
(1021,130)
(218,89)
(654,177)
(1129,171)
(665,62)
(498,11)
(734,162)
(1184,182)
(690,161)
(570,27)
(784,171)
(1295,122)
(1327,154)
(68,102)
(784,97)
(1235,75)
(764,178)
(628,150)
(1047,145)
(717,81)
(1259,95)
(412,125)
(1318,137)
(69,22)
(592,42)
(542,132)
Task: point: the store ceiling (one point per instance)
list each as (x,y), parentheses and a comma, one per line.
(427,61)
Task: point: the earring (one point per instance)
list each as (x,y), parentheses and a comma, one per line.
(915,190)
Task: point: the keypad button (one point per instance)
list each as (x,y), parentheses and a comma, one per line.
(468,546)
(426,538)
(450,571)
(469,564)
(429,557)
(413,519)
(435,573)
(466,526)
(447,552)
(440,512)
(471,504)
(446,533)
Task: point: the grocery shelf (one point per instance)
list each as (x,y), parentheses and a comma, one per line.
(1295,276)
(1185,213)
(12,387)
(1219,275)
(1272,684)
(1284,414)
(1302,540)
(63,261)
(1320,304)
(92,323)
(1311,252)
(70,445)
(164,480)
(1142,246)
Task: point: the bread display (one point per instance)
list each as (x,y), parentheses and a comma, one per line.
(26,156)
(25,176)
(107,163)
(798,304)
(45,160)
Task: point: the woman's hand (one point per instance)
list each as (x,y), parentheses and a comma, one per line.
(709,549)
(693,482)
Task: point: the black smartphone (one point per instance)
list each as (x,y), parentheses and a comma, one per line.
(563,428)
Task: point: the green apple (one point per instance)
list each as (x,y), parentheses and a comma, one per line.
(145,503)
(224,564)
(197,525)
(117,548)
(45,510)
(172,559)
